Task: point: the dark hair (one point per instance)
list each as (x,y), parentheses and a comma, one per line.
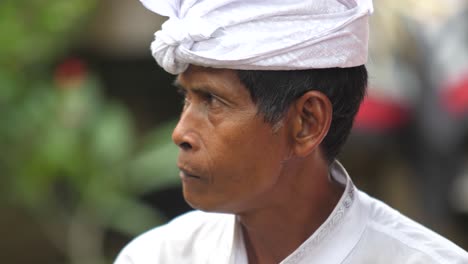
(274,91)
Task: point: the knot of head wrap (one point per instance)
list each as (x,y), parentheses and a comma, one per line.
(176,37)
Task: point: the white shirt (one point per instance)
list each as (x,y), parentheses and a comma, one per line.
(360,230)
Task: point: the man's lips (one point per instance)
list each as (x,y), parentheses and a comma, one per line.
(189,172)
(186,174)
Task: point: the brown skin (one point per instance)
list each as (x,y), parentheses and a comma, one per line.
(274,178)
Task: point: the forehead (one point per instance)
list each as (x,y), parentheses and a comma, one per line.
(203,77)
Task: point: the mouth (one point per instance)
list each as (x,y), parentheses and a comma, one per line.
(186,175)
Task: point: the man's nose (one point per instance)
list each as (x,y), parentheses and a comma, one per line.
(184,134)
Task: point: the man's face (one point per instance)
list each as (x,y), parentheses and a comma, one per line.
(230,159)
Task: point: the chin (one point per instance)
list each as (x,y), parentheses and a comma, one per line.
(197,202)
(206,205)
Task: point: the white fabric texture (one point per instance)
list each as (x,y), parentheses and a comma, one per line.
(261,34)
(360,230)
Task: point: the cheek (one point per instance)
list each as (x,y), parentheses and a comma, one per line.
(249,154)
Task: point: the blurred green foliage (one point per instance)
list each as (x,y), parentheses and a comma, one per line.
(70,157)
(34,31)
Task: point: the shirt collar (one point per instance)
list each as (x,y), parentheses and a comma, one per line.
(334,239)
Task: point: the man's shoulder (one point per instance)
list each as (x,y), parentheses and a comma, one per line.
(394,231)
(179,237)
(190,224)
(194,221)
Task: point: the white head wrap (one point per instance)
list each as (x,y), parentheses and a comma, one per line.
(261,34)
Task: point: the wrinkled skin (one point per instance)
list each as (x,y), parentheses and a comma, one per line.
(230,159)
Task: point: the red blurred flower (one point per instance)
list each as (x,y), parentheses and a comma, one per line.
(70,74)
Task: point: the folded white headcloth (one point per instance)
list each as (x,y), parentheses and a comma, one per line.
(261,34)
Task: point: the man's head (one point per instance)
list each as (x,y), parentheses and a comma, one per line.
(244,134)
(273,98)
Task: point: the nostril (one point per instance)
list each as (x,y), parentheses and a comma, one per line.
(185,146)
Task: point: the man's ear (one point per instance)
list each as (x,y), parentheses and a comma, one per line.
(311,119)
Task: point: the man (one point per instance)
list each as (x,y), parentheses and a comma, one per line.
(271,89)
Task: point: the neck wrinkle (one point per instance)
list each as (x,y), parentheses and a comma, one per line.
(272,233)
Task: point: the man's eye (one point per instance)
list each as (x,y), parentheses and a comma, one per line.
(185,102)
(211,100)
(183,95)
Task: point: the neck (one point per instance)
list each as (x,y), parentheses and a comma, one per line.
(302,202)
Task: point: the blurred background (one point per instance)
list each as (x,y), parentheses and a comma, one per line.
(86,114)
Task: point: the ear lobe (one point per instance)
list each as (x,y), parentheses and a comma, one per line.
(313,114)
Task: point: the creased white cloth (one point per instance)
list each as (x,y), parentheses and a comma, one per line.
(261,34)
(359,230)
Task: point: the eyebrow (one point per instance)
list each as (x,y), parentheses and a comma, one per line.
(203,90)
